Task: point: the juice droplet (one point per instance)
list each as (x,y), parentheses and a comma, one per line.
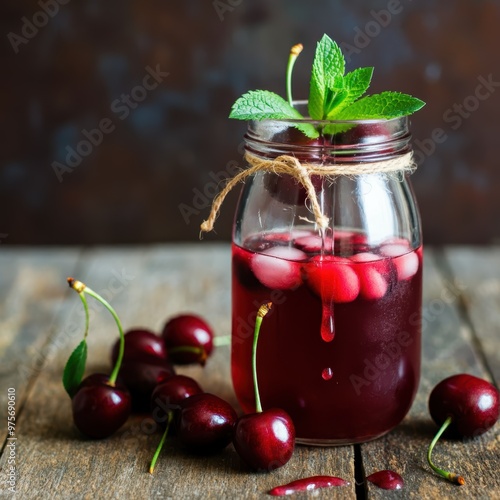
(387,480)
(327,374)
(308,484)
(327,323)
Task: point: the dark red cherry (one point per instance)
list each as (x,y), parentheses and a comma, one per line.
(471,402)
(100,378)
(168,395)
(99,409)
(140,344)
(266,440)
(206,423)
(166,403)
(467,406)
(188,338)
(141,378)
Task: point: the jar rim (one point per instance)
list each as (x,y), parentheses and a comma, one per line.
(331,140)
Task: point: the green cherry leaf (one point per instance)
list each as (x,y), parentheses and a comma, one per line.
(264,105)
(75,368)
(328,66)
(381,106)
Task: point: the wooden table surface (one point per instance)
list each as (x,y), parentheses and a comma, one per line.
(41,322)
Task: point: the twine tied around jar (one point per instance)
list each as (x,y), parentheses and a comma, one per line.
(302,172)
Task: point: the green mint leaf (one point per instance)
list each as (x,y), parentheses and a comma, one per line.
(75,368)
(307,129)
(380,106)
(358,81)
(265,105)
(355,84)
(334,94)
(328,65)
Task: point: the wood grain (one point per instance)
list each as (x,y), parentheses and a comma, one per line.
(32,292)
(479,269)
(447,349)
(159,282)
(147,285)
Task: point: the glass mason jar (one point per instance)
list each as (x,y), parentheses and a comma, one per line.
(340,348)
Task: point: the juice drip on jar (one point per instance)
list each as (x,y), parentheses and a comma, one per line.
(327,374)
(327,313)
(327,323)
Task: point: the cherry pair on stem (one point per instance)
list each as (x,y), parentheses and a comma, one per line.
(101,403)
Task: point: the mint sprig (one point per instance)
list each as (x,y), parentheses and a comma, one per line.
(326,77)
(333,95)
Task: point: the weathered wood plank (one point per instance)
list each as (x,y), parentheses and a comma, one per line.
(479,269)
(54,461)
(48,445)
(148,286)
(31,291)
(447,349)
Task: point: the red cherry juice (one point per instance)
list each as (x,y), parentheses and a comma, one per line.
(340,349)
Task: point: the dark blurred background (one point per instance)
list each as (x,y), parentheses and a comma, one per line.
(114,113)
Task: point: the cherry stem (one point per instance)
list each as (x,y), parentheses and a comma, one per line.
(263,310)
(191,349)
(294,53)
(160,445)
(187,348)
(222,340)
(87,318)
(80,287)
(450,476)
